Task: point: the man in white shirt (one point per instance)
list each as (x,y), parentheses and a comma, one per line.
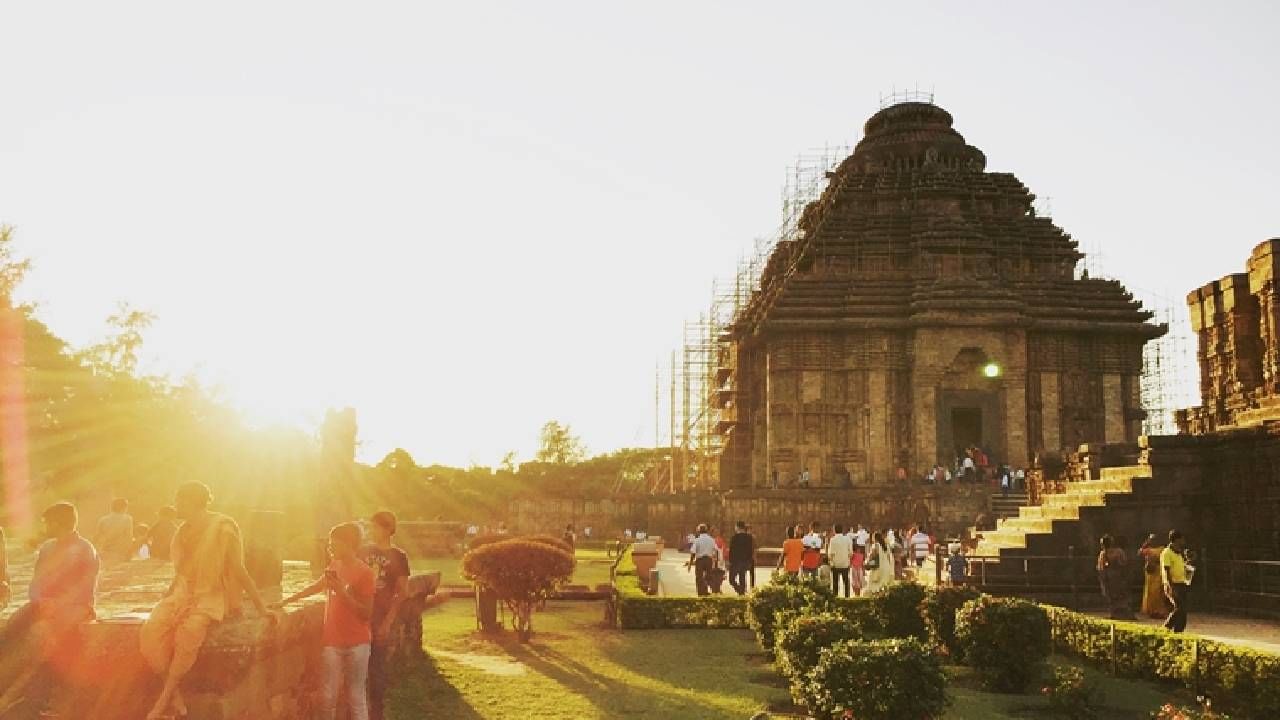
(861,537)
(920,546)
(703,554)
(840,554)
(970,470)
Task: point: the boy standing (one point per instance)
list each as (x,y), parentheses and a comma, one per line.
(390,567)
(957,566)
(348,585)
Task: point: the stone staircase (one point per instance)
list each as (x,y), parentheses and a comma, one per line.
(1058,512)
(1006,506)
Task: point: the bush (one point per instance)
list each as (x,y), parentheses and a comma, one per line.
(1005,639)
(1202,711)
(787,594)
(939,609)
(876,680)
(550,540)
(798,639)
(1241,680)
(521,573)
(633,609)
(1071,696)
(898,607)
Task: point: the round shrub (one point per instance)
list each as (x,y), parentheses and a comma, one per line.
(875,680)
(486,539)
(939,609)
(798,639)
(1005,639)
(768,600)
(898,608)
(521,574)
(550,540)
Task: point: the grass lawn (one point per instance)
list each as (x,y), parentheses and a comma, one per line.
(593,568)
(577,669)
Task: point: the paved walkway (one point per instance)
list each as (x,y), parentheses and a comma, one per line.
(677,581)
(1249,632)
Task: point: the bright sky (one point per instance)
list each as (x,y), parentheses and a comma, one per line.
(465,219)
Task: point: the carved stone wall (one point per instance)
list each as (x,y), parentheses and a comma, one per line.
(845,359)
(1238,350)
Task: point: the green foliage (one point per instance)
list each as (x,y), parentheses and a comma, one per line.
(557,445)
(1071,696)
(876,680)
(1239,679)
(939,609)
(1005,639)
(898,607)
(521,573)
(785,593)
(1203,710)
(798,640)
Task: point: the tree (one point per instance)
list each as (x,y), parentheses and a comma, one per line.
(522,574)
(558,446)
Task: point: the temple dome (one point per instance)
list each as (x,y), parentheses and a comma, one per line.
(914,136)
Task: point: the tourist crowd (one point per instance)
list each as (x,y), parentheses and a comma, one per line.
(364,585)
(852,560)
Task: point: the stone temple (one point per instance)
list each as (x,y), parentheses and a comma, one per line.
(922,308)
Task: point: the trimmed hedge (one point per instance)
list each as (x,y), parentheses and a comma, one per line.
(768,602)
(636,610)
(799,640)
(876,680)
(898,607)
(1005,639)
(939,609)
(1243,681)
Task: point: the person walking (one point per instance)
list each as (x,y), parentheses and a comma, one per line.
(1176,578)
(1113,574)
(702,558)
(921,544)
(1154,604)
(811,557)
(742,557)
(160,537)
(840,555)
(879,564)
(792,551)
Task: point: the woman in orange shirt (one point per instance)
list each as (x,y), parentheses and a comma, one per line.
(792,551)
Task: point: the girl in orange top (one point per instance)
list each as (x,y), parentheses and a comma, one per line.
(792,551)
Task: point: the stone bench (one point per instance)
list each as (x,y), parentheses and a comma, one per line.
(246,669)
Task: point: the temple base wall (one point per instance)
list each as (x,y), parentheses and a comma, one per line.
(946,509)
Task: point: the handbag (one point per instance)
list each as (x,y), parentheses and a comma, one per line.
(873,561)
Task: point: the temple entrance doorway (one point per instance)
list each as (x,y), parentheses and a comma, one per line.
(966,427)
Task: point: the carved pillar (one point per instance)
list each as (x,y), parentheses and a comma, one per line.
(1051,411)
(926,421)
(1113,407)
(766,407)
(1262,285)
(880,451)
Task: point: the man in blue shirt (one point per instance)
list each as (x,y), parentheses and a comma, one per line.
(60,598)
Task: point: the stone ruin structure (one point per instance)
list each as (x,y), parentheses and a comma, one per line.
(923,308)
(1236,320)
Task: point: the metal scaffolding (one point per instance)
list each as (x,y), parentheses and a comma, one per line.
(701,386)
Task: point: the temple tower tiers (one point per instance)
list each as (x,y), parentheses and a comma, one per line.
(924,308)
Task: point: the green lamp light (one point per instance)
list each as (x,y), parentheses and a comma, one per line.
(991,370)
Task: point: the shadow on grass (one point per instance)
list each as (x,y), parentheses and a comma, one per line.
(610,695)
(421,691)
